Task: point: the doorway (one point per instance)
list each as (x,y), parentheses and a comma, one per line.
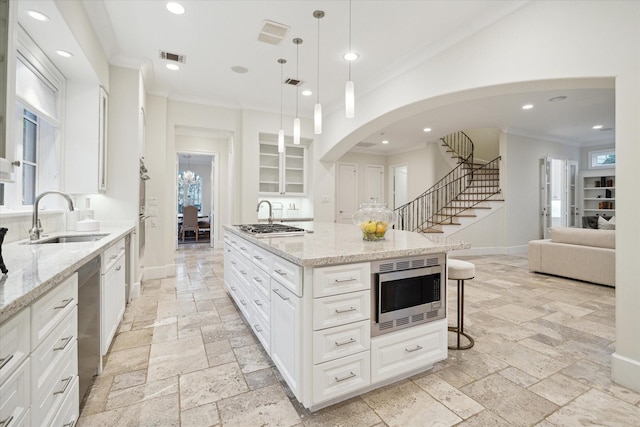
(347,192)
(399,185)
(558,194)
(195,188)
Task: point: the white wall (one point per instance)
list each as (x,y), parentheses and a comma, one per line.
(485,143)
(425,167)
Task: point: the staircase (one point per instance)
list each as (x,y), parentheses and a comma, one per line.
(456,199)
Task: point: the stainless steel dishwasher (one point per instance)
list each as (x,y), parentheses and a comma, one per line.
(88,323)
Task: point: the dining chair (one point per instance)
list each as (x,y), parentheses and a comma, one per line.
(190,220)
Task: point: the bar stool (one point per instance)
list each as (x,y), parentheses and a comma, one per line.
(460,271)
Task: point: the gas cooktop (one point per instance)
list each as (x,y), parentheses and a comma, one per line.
(271,230)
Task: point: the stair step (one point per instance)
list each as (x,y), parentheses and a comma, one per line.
(431,231)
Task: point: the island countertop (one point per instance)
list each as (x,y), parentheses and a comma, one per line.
(34,269)
(330,243)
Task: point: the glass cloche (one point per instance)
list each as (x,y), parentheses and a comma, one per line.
(373,219)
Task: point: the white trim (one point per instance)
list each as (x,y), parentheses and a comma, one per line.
(507,250)
(625,371)
(162,272)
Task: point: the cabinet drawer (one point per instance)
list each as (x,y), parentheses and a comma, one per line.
(15,395)
(243,268)
(245,249)
(341,279)
(110,255)
(261,281)
(332,343)
(288,274)
(262,330)
(341,309)
(263,259)
(51,308)
(69,412)
(407,350)
(341,376)
(45,405)
(261,305)
(47,359)
(112,303)
(15,343)
(241,297)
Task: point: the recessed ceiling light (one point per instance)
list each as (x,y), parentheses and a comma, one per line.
(38,16)
(307,92)
(239,69)
(596,127)
(173,67)
(557,98)
(64,53)
(175,8)
(385,142)
(351,56)
(527,106)
(426,130)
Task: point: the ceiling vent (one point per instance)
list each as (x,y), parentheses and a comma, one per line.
(364,144)
(293,82)
(175,57)
(272,32)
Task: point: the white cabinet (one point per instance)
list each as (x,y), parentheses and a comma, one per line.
(15,397)
(112,293)
(599,193)
(283,173)
(85,150)
(286,334)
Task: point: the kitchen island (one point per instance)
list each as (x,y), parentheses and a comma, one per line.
(312,302)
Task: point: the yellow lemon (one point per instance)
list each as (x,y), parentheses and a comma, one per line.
(370,227)
(381,228)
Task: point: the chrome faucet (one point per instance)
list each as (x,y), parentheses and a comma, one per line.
(270,210)
(36,227)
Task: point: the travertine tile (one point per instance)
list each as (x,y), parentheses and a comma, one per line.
(141,393)
(211,385)
(264,406)
(219,353)
(485,418)
(127,360)
(129,379)
(176,357)
(596,408)
(518,377)
(252,358)
(132,339)
(449,396)
(261,378)
(201,416)
(350,413)
(559,389)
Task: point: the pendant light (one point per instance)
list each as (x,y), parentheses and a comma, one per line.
(317,109)
(281,131)
(349,90)
(296,121)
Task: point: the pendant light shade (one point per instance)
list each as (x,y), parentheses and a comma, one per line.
(281,131)
(349,90)
(349,100)
(296,121)
(317,109)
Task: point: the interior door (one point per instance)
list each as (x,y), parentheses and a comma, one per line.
(572,194)
(347,192)
(399,186)
(374,183)
(545,196)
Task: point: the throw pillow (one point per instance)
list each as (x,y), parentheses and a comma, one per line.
(603,224)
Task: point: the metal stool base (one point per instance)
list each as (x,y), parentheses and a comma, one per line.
(461,347)
(459,330)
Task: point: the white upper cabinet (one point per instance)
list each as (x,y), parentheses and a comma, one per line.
(283,173)
(85,144)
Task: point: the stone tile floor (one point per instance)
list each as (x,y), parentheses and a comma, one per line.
(184,357)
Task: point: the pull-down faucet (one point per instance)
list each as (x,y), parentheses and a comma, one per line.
(270,210)
(36,229)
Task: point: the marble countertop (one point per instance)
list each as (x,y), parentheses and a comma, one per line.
(331,243)
(35,269)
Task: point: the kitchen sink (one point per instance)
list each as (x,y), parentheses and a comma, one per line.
(271,230)
(75,238)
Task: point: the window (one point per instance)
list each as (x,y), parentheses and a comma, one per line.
(29,157)
(602,159)
(189,190)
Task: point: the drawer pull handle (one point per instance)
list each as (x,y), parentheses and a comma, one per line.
(65,302)
(257,327)
(345,310)
(280,295)
(243,302)
(6,422)
(280,272)
(258,257)
(66,382)
(349,341)
(65,342)
(234,242)
(346,377)
(113,256)
(242,248)
(233,262)
(69,424)
(350,279)
(258,303)
(411,350)
(243,272)
(4,362)
(257,279)
(118,268)
(233,288)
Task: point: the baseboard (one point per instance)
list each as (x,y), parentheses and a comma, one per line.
(625,371)
(162,272)
(512,250)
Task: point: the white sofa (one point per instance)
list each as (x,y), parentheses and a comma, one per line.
(578,253)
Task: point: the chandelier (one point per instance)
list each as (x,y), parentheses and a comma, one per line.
(188,177)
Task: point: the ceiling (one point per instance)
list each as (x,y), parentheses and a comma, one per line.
(390,37)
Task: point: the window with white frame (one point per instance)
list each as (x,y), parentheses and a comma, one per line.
(602,159)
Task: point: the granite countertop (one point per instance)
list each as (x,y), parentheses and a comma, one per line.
(331,243)
(35,269)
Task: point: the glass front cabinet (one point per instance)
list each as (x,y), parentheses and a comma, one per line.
(283,173)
